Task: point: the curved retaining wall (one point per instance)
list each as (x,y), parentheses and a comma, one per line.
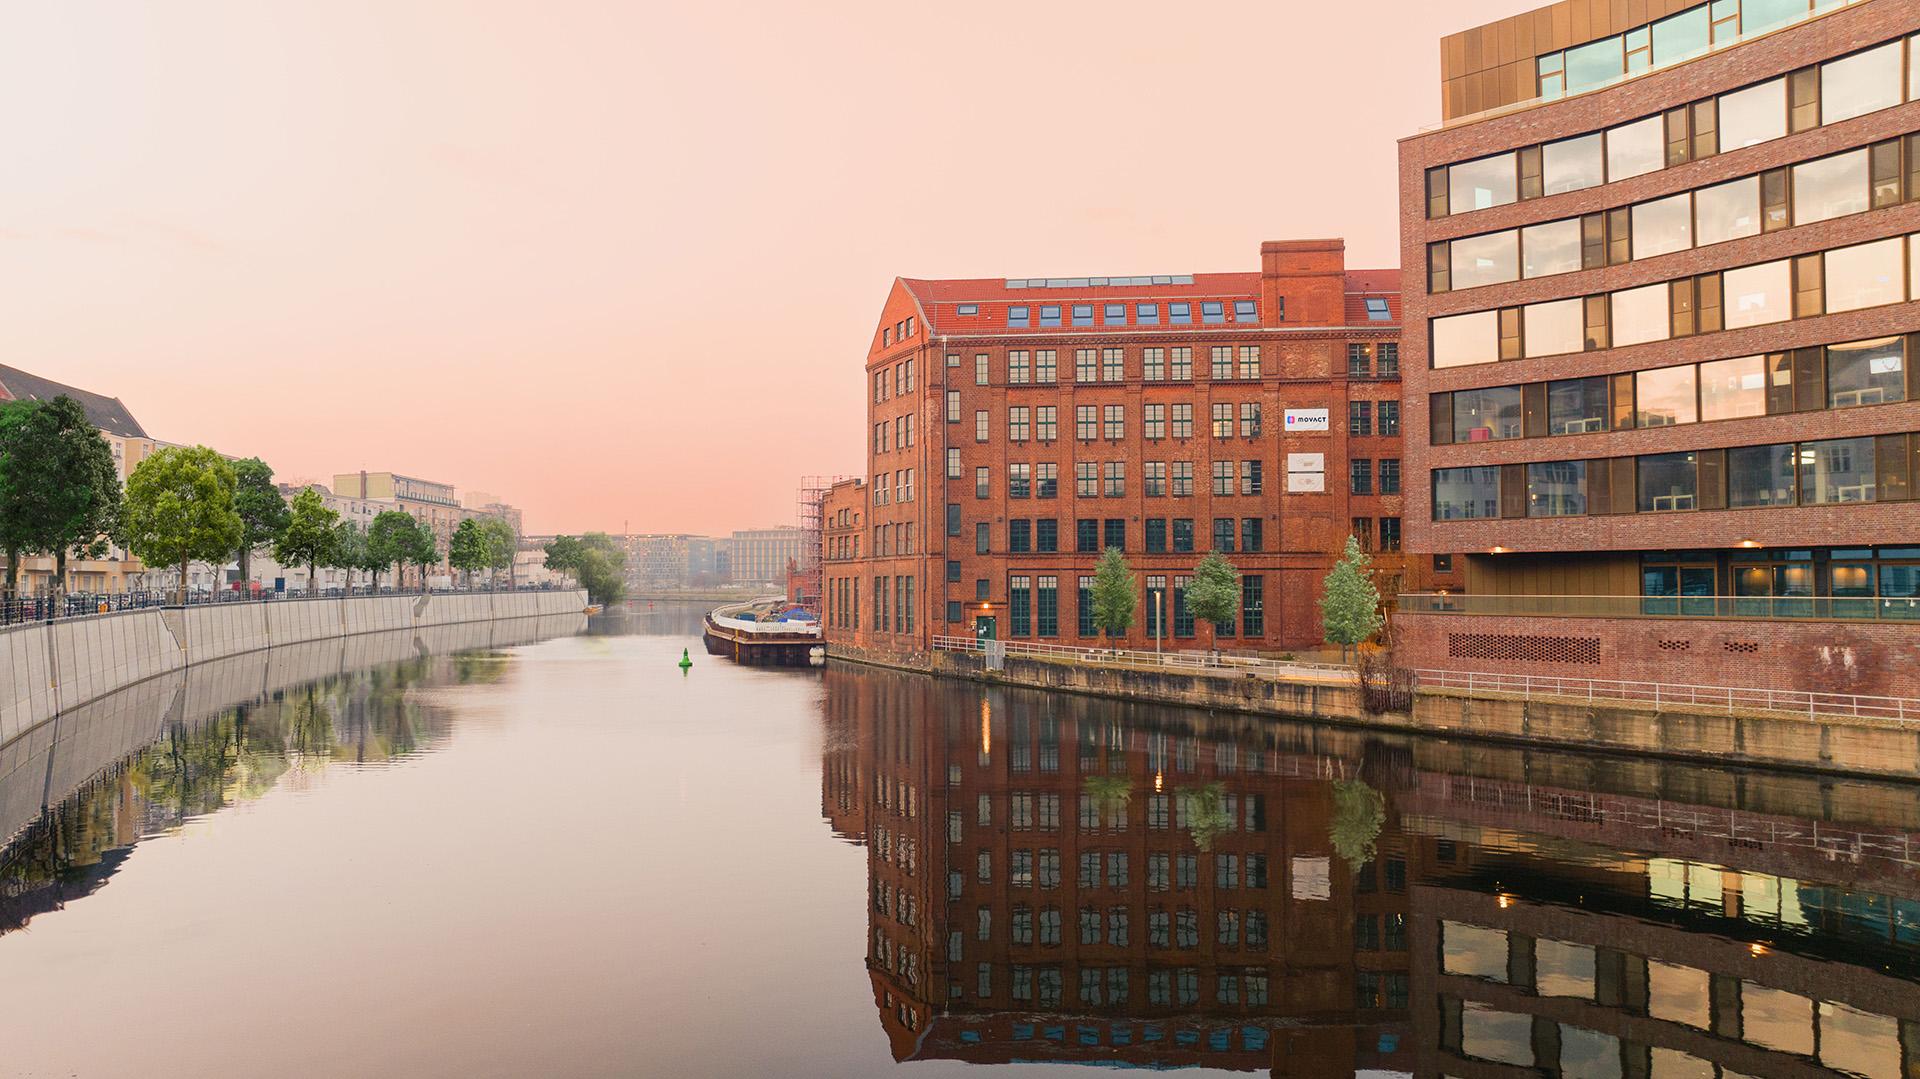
(48,667)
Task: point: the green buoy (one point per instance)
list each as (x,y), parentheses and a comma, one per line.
(686,661)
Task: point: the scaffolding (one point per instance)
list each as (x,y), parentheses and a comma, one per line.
(805,585)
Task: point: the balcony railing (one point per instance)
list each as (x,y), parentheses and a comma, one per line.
(1775,608)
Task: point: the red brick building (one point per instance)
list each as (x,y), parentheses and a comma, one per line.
(1661,402)
(1018,428)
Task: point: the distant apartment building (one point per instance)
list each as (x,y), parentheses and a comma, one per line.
(491,505)
(1660,272)
(130,444)
(1020,427)
(763,554)
(435,504)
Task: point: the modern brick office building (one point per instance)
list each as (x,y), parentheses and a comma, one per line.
(1019,427)
(1660,264)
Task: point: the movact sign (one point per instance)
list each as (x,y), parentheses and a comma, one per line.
(1307,419)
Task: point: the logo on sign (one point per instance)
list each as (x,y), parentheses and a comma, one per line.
(1307,419)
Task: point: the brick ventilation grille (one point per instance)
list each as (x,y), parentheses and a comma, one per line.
(1525,648)
(1676,646)
(1742,647)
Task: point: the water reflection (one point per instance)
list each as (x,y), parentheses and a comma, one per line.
(80,791)
(1054,878)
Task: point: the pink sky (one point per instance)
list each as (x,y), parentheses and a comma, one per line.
(612,260)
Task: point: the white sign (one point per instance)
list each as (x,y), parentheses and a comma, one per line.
(1306,482)
(1306,462)
(1312,878)
(1307,419)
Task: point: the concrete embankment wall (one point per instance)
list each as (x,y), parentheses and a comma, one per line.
(47,668)
(1839,744)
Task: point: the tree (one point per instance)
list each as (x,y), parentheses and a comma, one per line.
(503,544)
(594,560)
(180,508)
(1350,607)
(349,551)
(59,486)
(564,555)
(470,549)
(262,509)
(1114,598)
(388,539)
(1358,813)
(309,536)
(1214,592)
(421,549)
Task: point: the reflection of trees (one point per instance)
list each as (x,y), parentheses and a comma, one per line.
(1206,812)
(1359,812)
(1112,794)
(479,668)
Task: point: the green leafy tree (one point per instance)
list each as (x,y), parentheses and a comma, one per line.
(422,550)
(349,550)
(594,560)
(180,508)
(1206,811)
(1214,592)
(389,542)
(58,474)
(262,509)
(503,543)
(1114,598)
(1350,607)
(470,549)
(564,555)
(308,537)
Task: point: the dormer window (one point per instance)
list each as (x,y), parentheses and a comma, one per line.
(1377,310)
(1017,317)
(1049,314)
(969,308)
(1246,311)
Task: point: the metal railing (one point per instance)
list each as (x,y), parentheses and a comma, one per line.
(1661,694)
(46,608)
(1215,663)
(1777,608)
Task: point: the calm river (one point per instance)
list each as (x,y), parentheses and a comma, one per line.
(567,858)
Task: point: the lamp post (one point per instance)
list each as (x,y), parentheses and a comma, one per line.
(1159,620)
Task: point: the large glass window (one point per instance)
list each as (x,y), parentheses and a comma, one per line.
(1665,397)
(1760,476)
(1757,295)
(1557,489)
(1859,84)
(1733,388)
(1866,373)
(1576,406)
(1476,185)
(1594,64)
(1636,148)
(1663,225)
(1668,481)
(1572,164)
(1831,187)
(1727,211)
(1461,340)
(1755,115)
(1760,16)
(1641,314)
(1837,470)
(1681,36)
(1486,415)
(1551,248)
(1554,328)
(1866,275)
(1463,493)
(1486,260)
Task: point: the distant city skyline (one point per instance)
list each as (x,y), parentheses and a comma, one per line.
(617,261)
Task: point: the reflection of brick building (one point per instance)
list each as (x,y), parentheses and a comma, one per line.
(1036,892)
(1017,428)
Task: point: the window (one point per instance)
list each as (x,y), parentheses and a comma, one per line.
(1249,361)
(1831,187)
(1478,185)
(1047,423)
(1557,489)
(1668,481)
(1181,367)
(1182,479)
(982,482)
(1859,84)
(1114,314)
(1727,211)
(1552,248)
(1116,476)
(1114,421)
(1359,361)
(1154,421)
(1044,366)
(1462,340)
(1017,317)
(1360,475)
(1087,536)
(1222,478)
(1146,314)
(1049,314)
(1249,419)
(1114,533)
(1640,314)
(1246,311)
(1465,494)
(1019,367)
(1112,365)
(1665,397)
(1360,417)
(1754,115)
(1252,535)
(1183,420)
(1222,362)
(1389,533)
(1179,314)
(1213,312)
(1390,476)
(1153,362)
(1662,226)
(1636,148)
(1760,476)
(1757,295)
(1182,538)
(1086,422)
(1019,481)
(980,369)
(1252,481)
(1047,603)
(1865,373)
(1837,470)
(953,463)
(1551,329)
(1865,275)
(1223,534)
(1486,415)
(980,425)
(1222,419)
(1733,388)
(1577,406)
(1083,314)
(1156,535)
(1046,480)
(968,309)
(1156,479)
(1572,165)
(1086,479)
(1485,260)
